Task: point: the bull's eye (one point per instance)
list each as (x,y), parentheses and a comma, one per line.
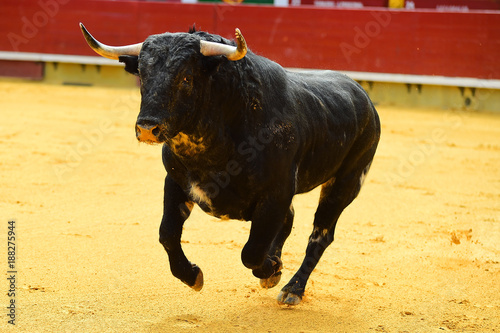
(185,82)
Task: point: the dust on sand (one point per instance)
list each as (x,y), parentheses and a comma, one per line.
(417,251)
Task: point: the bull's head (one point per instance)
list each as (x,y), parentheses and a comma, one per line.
(170,67)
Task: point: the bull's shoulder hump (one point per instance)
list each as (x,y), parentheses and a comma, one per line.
(321,76)
(329,84)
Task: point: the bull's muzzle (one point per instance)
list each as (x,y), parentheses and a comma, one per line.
(147,133)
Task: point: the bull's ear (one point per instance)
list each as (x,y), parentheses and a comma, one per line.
(131,63)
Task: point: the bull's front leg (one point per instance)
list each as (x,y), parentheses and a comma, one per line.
(268,221)
(176,209)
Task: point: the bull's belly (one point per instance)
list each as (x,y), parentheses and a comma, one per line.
(220,202)
(239,202)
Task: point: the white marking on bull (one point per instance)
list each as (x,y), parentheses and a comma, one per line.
(317,235)
(363,174)
(199,195)
(362,177)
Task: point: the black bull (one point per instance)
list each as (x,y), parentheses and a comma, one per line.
(241,136)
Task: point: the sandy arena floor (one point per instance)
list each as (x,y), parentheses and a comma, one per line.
(417,251)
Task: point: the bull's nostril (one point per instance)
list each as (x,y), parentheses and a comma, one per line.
(147,132)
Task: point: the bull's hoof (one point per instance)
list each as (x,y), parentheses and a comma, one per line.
(198,283)
(271,281)
(271,267)
(285,298)
(290,295)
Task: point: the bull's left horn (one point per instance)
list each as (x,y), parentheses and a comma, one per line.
(111,52)
(230,52)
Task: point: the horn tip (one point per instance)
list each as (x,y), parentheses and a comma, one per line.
(239,36)
(84,30)
(242,44)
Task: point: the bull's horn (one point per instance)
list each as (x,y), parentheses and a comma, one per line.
(111,52)
(231,52)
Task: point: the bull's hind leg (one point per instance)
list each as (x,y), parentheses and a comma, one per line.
(336,195)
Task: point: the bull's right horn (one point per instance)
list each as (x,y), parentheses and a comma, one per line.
(231,52)
(111,52)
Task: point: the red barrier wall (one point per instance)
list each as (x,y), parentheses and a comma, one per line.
(462,5)
(420,42)
(22,69)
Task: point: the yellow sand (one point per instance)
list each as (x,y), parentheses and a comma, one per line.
(417,251)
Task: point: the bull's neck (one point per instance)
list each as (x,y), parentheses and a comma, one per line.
(214,128)
(207,139)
